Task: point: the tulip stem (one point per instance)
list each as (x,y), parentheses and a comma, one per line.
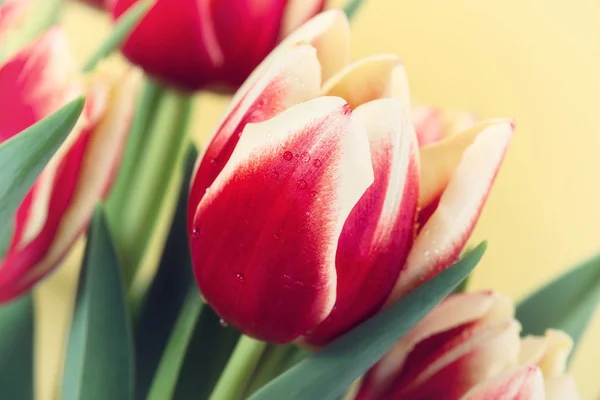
(165,379)
(239,369)
(150,168)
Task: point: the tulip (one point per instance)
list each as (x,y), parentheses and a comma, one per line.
(468,347)
(194,44)
(34,83)
(10,13)
(303,208)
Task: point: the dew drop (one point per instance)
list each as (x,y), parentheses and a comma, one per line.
(275,174)
(223,323)
(317,163)
(195,232)
(276,235)
(313,194)
(288,155)
(305,157)
(301,184)
(297,155)
(213,161)
(427,253)
(240,277)
(307,214)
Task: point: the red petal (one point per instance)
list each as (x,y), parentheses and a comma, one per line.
(265,234)
(175,41)
(455,314)
(444,235)
(292,78)
(521,384)
(35,82)
(378,232)
(69,187)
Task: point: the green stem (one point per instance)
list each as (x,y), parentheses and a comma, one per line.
(238,371)
(148,175)
(165,379)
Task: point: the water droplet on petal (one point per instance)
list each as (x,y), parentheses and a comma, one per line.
(427,253)
(276,235)
(240,277)
(213,161)
(307,214)
(297,155)
(301,184)
(313,194)
(223,323)
(317,163)
(195,232)
(305,157)
(288,155)
(275,174)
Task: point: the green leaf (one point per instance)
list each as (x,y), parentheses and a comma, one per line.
(122,28)
(328,373)
(16,349)
(24,156)
(568,302)
(99,361)
(352,7)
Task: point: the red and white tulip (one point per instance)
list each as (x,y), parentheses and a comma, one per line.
(469,348)
(11,12)
(34,83)
(194,44)
(313,206)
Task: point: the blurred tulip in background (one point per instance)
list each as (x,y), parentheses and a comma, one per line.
(195,44)
(34,83)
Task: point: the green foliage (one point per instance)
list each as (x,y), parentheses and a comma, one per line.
(99,361)
(568,302)
(24,156)
(329,372)
(16,349)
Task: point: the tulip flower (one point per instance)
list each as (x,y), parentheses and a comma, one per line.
(195,44)
(10,13)
(303,208)
(469,348)
(34,83)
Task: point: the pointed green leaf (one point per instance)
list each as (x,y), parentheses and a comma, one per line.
(568,302)
(24,156)
(16,349)
(352,7)
(122,28)
(99,361)
(328,373)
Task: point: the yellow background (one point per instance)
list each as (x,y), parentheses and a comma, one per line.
(536,60)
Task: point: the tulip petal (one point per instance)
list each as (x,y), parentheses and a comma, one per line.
(456,311)
(328,33)
(432,124)
(10,13)
(265,234)
(186,53)
(294,77)
(444,235)
(561,388)
(378,232)
(525,383)
(369,79)
(297,12)
(549,352)
(68,189)
(35,83)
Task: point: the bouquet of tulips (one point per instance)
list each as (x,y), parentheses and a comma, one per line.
(315,245)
